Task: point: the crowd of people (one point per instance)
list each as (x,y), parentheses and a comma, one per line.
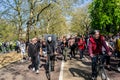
(8,46)
(5,47)
(93,44)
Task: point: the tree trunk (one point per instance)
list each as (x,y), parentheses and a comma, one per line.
(27,34)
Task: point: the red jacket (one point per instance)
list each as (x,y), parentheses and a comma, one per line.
(95,46)
(81,44)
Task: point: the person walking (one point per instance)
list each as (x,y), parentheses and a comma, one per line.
(22,49)
(33,53)
(81,46)
(64,48)
(50,53)
(71,44)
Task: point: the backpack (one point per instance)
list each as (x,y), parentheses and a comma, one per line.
(118,44)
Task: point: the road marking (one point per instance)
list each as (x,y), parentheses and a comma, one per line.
(61,71)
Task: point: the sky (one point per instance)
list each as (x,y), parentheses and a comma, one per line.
(77,5)
(80,4)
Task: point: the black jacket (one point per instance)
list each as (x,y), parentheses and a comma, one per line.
(50,47)
(33,49)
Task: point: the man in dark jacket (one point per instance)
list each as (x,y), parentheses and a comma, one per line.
(95,49)
(33,52)
(50,52)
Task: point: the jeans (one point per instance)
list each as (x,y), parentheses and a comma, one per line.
(51,60)
(65,53)
(81,53)
(94,64)
(72,52)
(35,62)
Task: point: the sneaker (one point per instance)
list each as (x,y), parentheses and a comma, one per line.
(93,78)
(37,72)
(33,69)
(118,69)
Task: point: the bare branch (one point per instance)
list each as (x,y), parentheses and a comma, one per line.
(42,11)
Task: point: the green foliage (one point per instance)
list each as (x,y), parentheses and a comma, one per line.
(7,32)
(37,17)
(80,22)
(105,15)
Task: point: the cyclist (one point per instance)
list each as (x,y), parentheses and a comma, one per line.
(96,42)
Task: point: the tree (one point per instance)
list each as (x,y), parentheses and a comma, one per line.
(13,12)
(36,16)
(7,32)
(54,20)
(105,15)
(48,16)
(81,21)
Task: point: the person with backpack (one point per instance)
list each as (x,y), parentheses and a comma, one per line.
(96,42)
(81,46)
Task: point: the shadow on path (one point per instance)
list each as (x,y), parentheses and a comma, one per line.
(81,73)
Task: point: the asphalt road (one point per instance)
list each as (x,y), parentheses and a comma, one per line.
(72,70)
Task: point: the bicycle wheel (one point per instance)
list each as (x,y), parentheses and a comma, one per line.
(103,74)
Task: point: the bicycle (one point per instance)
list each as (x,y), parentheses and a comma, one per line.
(101,70)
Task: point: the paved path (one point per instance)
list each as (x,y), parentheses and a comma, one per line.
(77,70)
(72,70)
(81,70)
(20,71)
(114,74)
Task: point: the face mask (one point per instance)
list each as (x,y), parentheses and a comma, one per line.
(49,39)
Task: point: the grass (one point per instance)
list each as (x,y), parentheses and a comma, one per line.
(8,58)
